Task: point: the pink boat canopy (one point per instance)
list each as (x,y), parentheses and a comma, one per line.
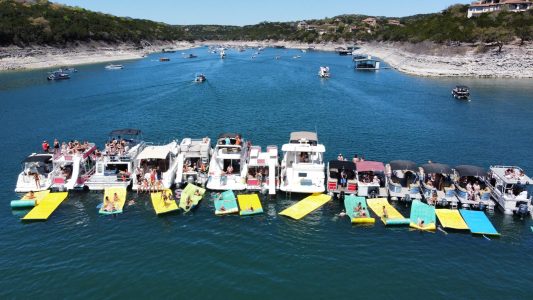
(370,166)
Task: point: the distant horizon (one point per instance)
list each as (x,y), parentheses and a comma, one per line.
(242,13)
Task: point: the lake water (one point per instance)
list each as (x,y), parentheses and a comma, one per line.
(383,115)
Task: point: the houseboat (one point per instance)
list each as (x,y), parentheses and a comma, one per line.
(228,167)
(461,92)
(437,184)
(341,178)
(263,170)
(367,63)
(156,167)
(73,167)
(471,189)
(509,187)
(36,173)
(193,161)
(302,167)
(403,180)
(370,177)
(115,164)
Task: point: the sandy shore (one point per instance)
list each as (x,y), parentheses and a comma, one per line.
(424,59)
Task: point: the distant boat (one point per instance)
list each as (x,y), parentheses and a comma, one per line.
(366,63)
(114,67)
(67,70)
(200,78)
(324,72)
(303,50)
(164,59)
(168,50)
(58,75)
(191,56)
(461,92)
(222,54)
(296,56)
(278,57)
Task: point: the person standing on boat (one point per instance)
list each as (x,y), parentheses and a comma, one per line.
(56,146)
(46,146)
(37,179)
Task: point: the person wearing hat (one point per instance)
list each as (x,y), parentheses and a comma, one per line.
(46,146)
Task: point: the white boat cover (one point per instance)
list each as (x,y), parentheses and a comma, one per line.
(155,152)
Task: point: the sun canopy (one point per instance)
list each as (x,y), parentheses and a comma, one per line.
(306,135)
(125,131)
(370,166)
(467,170)
(154,152)
(437,168)
(44,158)
(341,164)
(403,165)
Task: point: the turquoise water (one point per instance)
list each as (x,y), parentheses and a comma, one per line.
(384,115)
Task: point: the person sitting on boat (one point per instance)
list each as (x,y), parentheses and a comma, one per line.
(476,187)
(238,140)
(376,180)
(433,199)
(340,157)
(229,170)
(227,141)
(37,179)
(355,158)
(521,175)
(45,146)
(385,213)
(56,146)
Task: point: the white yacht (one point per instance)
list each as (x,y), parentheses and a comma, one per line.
(35,165)
(324,72)
(471,188)
(302,167)
(403,180)
(509,187)
(370,179)
(263,170)
(72,169)
(193,161)
(162,159)
(437,184)
(229,166)
(114,67)
(114,167)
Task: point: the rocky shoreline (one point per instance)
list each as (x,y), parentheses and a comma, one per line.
(423,59)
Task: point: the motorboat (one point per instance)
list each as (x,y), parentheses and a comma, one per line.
(509,187)
(156,167)
(471,188)
(461,92)
(362,62)
(35,175)
(168,50)
(114,67)
(263,169)
(403,180)
(193,161)
(228,167)
(191,56)
(73,167)
(302,166)
(437,184)
(115,165)
(341,177)
(58,75)
(200,78)
(324,72)
(68,70)
(163,59)
(296,56)
(222,54)
(370,177)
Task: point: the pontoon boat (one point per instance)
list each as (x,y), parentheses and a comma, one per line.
(370,179)
(437,184)
(471,189)
(461,92)
(403,180)
(341,177)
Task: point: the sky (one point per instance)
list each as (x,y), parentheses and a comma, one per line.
(247,12)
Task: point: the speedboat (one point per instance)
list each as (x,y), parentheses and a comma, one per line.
(115,165)
(324,72)
(191,56)
(73,167)
(403,180)
(341,177)
(162,59)
(263,169)
(58,75)
(193,161)
(35,165)
(461,92)
(296,56)
(156,159)
(200,78)
(471,189)
(114,67)
(370,179)
(222,54)
(302,167)
(437,184)
(509,187)
(68,70)
(229,166)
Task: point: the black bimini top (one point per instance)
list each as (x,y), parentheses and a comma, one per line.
(126,131)
(436,168)
(468,170)
(342,164)
(42,158)
(403,165)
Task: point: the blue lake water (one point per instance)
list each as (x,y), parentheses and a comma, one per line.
(383,115)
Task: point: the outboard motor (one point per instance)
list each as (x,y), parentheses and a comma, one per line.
(341,196)
(522,210)
(481,206)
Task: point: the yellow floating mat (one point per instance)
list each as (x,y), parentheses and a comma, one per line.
(394,217)
(451,218)
(305,206)
(249,205)
(118,205)
(160,205)
(46,206)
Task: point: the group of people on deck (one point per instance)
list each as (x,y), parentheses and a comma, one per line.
(511,173)
(199,166)
(149,179)
(116,147)
(356,158)
(111,205)
(65,148)
(473,190)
